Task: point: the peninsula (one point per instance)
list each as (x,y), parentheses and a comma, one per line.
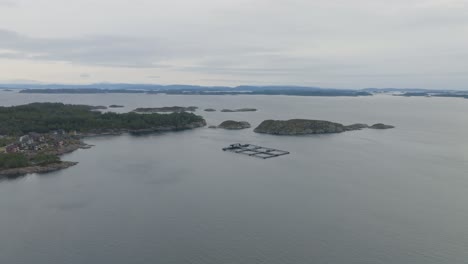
(33,136)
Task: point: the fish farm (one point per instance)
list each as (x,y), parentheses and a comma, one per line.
(255,151)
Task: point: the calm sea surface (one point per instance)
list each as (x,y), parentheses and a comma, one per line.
(372,196)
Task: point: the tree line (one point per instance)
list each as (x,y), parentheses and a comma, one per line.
(46,117)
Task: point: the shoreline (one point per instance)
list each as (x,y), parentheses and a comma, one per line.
(82,145)
(38,169)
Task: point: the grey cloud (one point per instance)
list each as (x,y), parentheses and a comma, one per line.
(7,3)
(348,43)
(119,51)
(114,51)
(102,50)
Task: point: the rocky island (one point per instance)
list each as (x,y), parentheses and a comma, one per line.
(116,106)
(305,127)
(210,110)
(98,107)
(234,125)
(381,126)
(33,136)
(166,109)
(239,110)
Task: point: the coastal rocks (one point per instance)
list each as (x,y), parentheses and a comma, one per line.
(381,126)
(67,149)
(105,132)
(192,125)
(306,127)
(234,125)
(187,126)
(239,110)
(98,107)
(149,130)
(38,169)
(86,146)
(210,110)
(213,127)
(356,127)
(167,109)
(116,106)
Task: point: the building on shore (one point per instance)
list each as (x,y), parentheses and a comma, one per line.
(12,148)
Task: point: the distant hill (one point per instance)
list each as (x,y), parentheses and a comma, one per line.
(217,90)
(181,89)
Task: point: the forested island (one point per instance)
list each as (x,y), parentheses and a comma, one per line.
(461,94)
(234,125)
(32,136)
(46,117)
(239,110)
(166,109)
(306,127)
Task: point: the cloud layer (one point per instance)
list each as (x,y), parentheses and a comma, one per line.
(333,43)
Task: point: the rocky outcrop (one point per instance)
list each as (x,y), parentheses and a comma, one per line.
(115,106)
(306,127)
(356,127)
(98,107)
(381,126)
(239,110)
(116,132)
(188,126)
(234,125)
(167,109)
(67,149)
(210,110)
(38,169)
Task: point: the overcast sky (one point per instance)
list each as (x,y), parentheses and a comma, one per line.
(327,43)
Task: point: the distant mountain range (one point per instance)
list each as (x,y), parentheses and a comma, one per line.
(220,90)
(130,86)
